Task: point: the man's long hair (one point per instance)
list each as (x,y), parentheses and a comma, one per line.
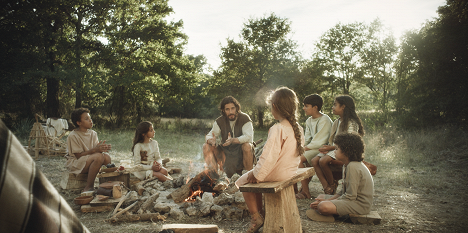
(228,100)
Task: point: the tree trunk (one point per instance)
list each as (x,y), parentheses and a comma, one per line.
(79,78)
(120,94)
(53,86)
(261,114)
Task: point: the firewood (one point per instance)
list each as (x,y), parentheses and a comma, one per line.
(138,217)
(124,210)
(140,186)
(148,203)
(179,195)
(120,203)
(164,161)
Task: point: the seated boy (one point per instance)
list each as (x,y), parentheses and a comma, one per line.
(356,197)
(85,152)
(317,132)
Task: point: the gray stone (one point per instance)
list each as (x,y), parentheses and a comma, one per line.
(176,213)
(231,212)
(192,211)
(205,208)
(161,207)
(207,197)
(234,177)
(168,184)
(218,212)
(223,199)
(238,197)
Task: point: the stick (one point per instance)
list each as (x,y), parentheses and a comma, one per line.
(120,203)
(124,210)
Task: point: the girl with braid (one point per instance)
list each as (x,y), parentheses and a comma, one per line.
(281,153)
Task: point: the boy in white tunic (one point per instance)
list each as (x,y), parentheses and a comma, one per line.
(317,132)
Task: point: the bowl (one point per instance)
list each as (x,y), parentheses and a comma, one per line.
(83,200)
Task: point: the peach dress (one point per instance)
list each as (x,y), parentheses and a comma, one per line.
(279,160)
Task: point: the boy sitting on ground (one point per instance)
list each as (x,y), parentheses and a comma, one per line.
(356,197)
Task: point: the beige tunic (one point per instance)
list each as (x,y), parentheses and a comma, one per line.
(358,190)
(279,160)
(78,142)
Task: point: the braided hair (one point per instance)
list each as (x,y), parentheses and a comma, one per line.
(285,101)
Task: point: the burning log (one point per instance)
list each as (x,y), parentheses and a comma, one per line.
(179,195)
(202,182)
(138,217)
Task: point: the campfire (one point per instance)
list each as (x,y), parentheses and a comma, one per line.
(206,181)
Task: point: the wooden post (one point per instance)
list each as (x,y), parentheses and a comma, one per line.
(281,212)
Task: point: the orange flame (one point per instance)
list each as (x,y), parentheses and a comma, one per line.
(194,194)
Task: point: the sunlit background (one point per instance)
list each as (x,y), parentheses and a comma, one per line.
(208,23)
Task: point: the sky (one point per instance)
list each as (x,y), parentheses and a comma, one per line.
(208,23)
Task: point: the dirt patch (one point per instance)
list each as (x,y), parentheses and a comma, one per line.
(435,205)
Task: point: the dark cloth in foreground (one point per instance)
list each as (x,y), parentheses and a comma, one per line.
(28,201)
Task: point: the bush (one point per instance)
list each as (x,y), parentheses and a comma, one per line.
(22,128)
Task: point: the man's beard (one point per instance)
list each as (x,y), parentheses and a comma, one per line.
(232,119)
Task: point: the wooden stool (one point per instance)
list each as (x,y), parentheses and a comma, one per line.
(73,181)
(281,212)
(114,176)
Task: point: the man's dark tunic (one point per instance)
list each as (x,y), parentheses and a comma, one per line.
(233,152)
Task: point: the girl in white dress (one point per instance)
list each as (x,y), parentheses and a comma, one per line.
(146,152)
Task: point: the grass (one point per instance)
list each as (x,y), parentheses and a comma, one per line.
(411,157)
(418,171)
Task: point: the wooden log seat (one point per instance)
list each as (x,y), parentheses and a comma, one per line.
(281,212)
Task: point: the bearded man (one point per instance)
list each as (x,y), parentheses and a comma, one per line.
(229,144)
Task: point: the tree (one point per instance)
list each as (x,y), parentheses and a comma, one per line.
(264,59)
(339,54)
(433,65)
(378,56)
(32,47)
(145,68)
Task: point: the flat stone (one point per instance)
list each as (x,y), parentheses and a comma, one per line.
(372,218)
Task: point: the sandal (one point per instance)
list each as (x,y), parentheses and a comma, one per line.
(255,223)
(301,196)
